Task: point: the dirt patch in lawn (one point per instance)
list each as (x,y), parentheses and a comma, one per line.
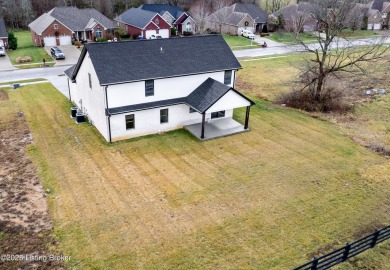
(25,226)
(3,95)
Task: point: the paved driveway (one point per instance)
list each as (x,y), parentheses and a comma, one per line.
(5,63)
(71,55)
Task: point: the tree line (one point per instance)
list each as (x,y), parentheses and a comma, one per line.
(19,13)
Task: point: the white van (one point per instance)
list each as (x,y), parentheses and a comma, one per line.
(248,34)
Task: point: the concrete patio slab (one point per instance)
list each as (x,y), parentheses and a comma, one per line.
(216,128)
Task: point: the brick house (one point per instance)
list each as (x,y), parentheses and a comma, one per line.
(63,25)
(139,22)
(3,34)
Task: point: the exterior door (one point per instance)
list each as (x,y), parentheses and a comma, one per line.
(65,40)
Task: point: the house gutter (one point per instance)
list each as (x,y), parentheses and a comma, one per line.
(108,116)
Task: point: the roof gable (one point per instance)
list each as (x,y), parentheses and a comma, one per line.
(162,58)
(41,23)
(3,29)
(259,15)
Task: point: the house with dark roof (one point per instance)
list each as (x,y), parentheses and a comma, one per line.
(377,13)
(174,15)
(3,34)
(139,22)
(232,20)
(134,88)
(63,25)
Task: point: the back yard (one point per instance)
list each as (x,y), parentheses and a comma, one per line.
(271,198)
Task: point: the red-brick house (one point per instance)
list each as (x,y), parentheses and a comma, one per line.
(3,34)
(139,22)
(63,25)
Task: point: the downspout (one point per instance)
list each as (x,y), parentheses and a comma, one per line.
(70,98)
(108,117)
(234,79)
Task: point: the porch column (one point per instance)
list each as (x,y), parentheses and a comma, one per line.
(203,120)
(248,108)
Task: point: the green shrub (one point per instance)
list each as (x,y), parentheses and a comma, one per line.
(12,41)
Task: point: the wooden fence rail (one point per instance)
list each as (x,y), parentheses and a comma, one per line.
(348,251)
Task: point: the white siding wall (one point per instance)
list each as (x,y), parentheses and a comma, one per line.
(148,122)
(230,100)
(93,100)
(134,93)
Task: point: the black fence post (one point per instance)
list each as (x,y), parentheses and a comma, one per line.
(374,239)
(346,251)
(314,264)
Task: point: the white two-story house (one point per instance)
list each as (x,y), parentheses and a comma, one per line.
(134,88)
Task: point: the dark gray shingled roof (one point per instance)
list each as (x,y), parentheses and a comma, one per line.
(69,71)
(259,15)
(3,30)
(120,62)
(175,11)
(377,4)
(201,99)
(136,17)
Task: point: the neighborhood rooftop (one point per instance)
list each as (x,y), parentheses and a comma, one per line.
(136,17)
(175,11)
(253,10)
(120,62)
(3,30)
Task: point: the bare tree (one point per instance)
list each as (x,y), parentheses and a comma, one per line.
(272,6)
(200,10)
(333,55)
(222,11)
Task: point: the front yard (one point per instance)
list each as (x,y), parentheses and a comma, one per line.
(270,198)
(240,43)
(291,38)
(25,48)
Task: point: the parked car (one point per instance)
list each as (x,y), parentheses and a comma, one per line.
(248,34)
(155,37)
(56,53)
(2,51)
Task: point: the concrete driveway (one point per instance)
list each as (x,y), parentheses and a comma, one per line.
(71,55)
(5,63)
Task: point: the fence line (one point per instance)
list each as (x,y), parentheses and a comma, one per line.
(348,251)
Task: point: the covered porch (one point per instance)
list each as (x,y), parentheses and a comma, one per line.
(216,128)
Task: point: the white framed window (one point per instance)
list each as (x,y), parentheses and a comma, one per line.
(98,33)
(156,21)
(188,27)
(56,26)
(228,77)
(149,88)
(163,116)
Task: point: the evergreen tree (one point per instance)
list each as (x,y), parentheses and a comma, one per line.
(12,41)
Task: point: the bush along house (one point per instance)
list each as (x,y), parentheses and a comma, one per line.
(135,88)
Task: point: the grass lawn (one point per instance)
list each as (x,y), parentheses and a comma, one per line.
(349,34)
(25,48)
(290,38)
(270,198)
(239,43)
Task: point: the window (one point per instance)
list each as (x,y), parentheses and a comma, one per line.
(164,116)
(188,27)
(228,77)
(192,110)
(56,26)
(90,80)
(99,33)
(130,123)
(149,88)
(156,21)
(217,114)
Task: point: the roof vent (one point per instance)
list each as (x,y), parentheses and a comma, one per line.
(161,50)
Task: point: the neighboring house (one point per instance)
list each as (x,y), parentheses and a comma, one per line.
(232,20)
(297,17)
(377,12)
(134,88)
(62,25)
(139,22)
(363,14)
(3,34)
(174,15)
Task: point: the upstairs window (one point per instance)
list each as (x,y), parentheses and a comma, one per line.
(228,77)
(130,122)
(56,26)
(90,80)
(149,88)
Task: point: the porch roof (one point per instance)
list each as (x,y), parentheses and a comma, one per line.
(201,99)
